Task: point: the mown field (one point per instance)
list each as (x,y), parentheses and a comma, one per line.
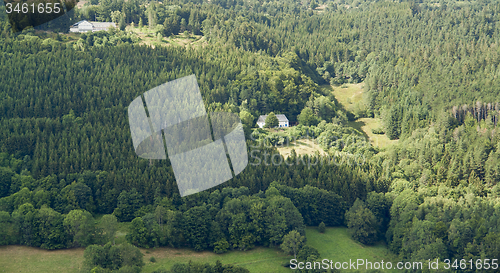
(335,244)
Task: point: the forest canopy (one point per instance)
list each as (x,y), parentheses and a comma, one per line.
(430,73)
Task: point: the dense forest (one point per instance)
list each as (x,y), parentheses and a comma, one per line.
(431,75)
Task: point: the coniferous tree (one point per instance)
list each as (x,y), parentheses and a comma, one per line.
(321,227)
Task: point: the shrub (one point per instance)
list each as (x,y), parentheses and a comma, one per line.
(321,227)
(221,246)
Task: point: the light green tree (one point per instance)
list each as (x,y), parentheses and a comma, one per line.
(271,121)
(307,117)
(292,242)
(246,118)
(109,226)
(80,225)
(115,16)
(121,23)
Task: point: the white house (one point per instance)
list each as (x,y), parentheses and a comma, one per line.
(282,121)
(86,26)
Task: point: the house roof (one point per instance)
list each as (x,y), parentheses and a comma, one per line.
(95,24)
(281,118)
(77,23)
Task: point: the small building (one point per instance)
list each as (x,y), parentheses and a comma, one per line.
(282,121)
(86,26)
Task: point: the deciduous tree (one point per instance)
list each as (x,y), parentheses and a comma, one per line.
(292,242)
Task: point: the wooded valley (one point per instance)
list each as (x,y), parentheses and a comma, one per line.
(431,74)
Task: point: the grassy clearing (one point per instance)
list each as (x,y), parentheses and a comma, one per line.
(29,259)
(336,245)
(148,37)
(366,125)
(256,260)
(301,147)
(350,96)
(123,229)
(34,260)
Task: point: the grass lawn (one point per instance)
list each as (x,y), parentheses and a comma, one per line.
(336,245)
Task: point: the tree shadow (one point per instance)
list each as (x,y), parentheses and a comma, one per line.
(357,124)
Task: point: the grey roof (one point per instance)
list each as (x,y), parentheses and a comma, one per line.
(77,23)
(281,118)
(95,24)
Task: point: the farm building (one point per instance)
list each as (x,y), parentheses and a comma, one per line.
(86,26)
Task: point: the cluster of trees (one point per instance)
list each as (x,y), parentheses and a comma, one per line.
(479,111)
(112,258)
(448,154)
(64,129)
(103,39)
(48,229)
(444,223)
(234,219)
(220,221)
(362,223)
(444,191)
(334,138)
(315,205)
(218,267)
(452,62)
(104,192)
(168,19)
(48,15)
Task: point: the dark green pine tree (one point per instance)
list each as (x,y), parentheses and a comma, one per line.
(394,123)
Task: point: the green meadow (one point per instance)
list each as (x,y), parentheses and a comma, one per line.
(350,96)
(335,244)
